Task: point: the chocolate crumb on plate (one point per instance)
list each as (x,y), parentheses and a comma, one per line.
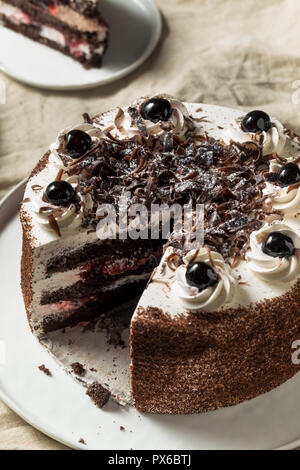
(78,369)
(98,394)
(44,369)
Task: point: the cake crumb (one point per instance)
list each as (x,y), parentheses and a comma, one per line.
(82,441)
(98,394)
(44,369)
(122,428)
(78,369)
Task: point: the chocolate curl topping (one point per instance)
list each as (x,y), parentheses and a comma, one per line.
(136,118)
(87,119)
(227,179)
(53,224)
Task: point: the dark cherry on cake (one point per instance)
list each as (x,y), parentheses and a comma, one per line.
(201,275)
(256,121)
(156,109)
(278,245)
(77,143)
(60,193)
(288,174)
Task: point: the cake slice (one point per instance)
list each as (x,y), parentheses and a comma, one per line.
(75,28)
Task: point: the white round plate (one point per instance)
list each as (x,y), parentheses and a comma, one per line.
(59,407)
(135,28)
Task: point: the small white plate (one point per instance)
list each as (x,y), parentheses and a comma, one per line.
(135,28)
(59,407)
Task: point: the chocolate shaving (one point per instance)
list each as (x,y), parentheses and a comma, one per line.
(87,118)
(136,118)
(119,115)
(202,119)
(108,129)
(59,175)
(160,281)
(53,224)
(36,187)
(170,261)
(293,186)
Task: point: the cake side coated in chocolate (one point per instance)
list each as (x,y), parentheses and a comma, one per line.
(199,363)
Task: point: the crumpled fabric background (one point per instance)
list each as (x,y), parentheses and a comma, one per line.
(243,54)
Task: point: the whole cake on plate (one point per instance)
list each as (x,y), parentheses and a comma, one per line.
(74,27)
(217,317)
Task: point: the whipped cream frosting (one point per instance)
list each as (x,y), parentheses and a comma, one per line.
(211,298)
(121,125)
(69,217)
(56,147)
(267,267)
(272,141)
(282,199)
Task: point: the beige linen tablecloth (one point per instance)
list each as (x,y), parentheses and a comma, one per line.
(230,52)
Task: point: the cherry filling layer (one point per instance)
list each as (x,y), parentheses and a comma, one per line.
(114,267)
(53,9)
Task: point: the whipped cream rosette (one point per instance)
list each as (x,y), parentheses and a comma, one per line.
(272,140)
(273,268)
(213,297)
(283,199)
(67,218)
(124,124)
(56,148)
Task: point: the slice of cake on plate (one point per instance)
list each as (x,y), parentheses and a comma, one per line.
(75,28)
(218,315)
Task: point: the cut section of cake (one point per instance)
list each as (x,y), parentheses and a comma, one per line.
(75,28)
(218,314)
(70,272)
